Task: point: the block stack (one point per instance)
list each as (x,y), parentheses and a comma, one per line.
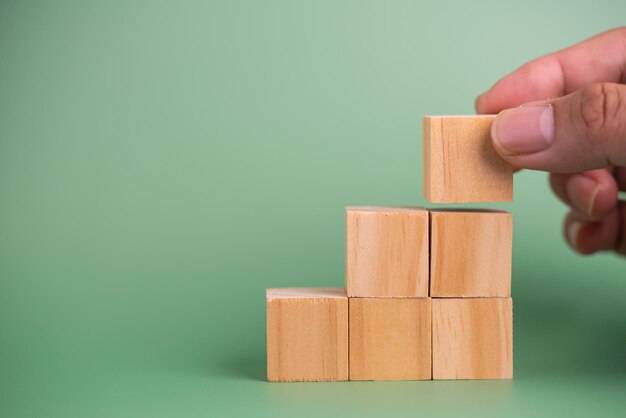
(428,292)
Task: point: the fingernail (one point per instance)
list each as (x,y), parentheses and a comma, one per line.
(524,130)
(582,192)
(572,232)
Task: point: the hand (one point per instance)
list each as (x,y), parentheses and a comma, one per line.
(566,114)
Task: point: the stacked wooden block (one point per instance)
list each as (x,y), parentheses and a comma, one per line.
(427,291)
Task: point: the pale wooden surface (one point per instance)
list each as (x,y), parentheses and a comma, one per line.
(386,252)
(471,253)
(390,339)
(472,338)
(305,292)
(307,335)
(460,163)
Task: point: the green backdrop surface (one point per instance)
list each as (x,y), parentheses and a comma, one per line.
(162,163)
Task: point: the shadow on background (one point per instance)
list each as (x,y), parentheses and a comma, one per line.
(557,335)
(244,368)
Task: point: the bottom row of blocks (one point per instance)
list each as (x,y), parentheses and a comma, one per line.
(322,335)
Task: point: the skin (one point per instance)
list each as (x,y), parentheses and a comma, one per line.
(585,85)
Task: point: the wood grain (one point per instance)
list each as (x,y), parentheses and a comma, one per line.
(460,163)
(386,252)
(390,339)
(472,338)
(471,253)
(307,335)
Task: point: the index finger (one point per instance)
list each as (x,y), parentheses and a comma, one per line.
(598,59)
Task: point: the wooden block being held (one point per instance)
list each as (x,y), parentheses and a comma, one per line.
(460,163)
(386,252)
(390,339)
(307,335)
(471,253)
(472,338)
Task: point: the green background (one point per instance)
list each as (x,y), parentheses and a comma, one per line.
(162,163)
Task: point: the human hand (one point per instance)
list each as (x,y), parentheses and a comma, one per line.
(566,114)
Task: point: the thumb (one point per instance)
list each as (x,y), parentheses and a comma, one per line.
(582,131)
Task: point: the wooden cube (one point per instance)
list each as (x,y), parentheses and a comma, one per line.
(472,338)
(386,252)
(307,335)
(460,163)
(471,252)
(390,339)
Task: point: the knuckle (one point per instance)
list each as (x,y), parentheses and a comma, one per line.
(600,107)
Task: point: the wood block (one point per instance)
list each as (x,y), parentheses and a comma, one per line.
(472,338)
(390,339)
(307,335)
(386,252)
(460,163)
(471,253)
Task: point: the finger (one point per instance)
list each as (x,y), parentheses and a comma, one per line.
(583,131)
(620,246)
(598,59)
(587,237)
(592,194)
(620,178)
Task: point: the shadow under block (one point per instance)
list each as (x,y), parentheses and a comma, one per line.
(307,335)
(390,339)
(386,252)
(460,163)
(472,338)
(471,253)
